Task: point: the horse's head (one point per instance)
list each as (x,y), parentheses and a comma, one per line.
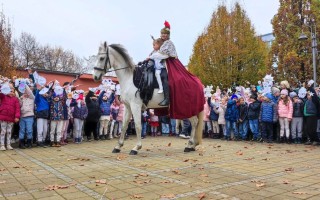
(103,62)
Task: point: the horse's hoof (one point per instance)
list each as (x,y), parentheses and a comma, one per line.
(116,150)
(187,149)
(133,152)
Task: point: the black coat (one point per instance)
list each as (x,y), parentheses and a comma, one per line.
(243,111)
(94,111)
(254,110)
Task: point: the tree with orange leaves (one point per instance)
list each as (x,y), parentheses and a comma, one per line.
(6,68)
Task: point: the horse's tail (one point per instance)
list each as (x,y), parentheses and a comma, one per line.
(199,128)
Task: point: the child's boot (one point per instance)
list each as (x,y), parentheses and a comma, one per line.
(21,144)
(29,145)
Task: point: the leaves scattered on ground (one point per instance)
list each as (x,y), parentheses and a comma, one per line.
(121,157)
(259,183)
(141,182)
(107,156)
(286,182)
(191,160)
(239,153)
(290,169)
(81,159)
(101,181)
(56,187)
(2,182)
(168,196)
(176,171)
(299,192)
(166,181)
(2,169)
(169,144)
(142,174)
(137,196)
(202,196)
(249,158)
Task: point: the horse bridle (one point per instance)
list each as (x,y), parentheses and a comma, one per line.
(106,64)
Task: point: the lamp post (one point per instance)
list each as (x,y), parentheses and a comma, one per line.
(314,50)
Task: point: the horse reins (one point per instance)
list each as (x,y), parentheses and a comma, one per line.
(106,64)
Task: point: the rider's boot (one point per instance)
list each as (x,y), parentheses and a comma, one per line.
(166,100)
(164,78)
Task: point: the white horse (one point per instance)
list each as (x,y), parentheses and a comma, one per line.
(115,56)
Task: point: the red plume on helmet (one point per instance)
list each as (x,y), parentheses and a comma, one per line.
(166,24)
(166,29)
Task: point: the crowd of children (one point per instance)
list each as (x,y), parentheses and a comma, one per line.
(50,114)
(271,114)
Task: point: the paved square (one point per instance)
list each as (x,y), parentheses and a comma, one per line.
(217,170)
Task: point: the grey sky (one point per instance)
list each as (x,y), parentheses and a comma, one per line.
(80,25)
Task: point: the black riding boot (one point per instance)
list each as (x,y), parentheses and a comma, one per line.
(165,84)
(166,100)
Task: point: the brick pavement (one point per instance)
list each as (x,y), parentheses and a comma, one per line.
(217,170)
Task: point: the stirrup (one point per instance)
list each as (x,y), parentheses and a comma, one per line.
(165,102)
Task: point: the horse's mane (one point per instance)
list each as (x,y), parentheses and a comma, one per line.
(124,53)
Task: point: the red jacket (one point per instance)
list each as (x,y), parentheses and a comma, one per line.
(9,108)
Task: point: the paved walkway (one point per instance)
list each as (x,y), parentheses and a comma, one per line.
(217,170)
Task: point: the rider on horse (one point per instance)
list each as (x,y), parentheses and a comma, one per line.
(186,90)
(168,49)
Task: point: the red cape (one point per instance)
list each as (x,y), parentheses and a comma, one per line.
(186,91)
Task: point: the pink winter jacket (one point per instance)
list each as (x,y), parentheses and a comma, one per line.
(9,108)
(206,112)
(285,110)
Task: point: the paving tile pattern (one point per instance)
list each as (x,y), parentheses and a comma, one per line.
(161,170)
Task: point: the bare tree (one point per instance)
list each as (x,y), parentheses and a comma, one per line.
(28,51)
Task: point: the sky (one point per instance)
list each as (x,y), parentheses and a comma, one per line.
(81,25)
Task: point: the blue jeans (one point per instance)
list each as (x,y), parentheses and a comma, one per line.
(173,126)
(26,124)
(143,129)
(165,129)
(231,125)
(243,129)
(267,131)
(254,127)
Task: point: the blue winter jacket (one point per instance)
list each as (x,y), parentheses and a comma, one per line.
(268,112)
(232,112)
(105,105)
(41,102)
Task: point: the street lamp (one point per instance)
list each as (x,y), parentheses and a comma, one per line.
(314,50)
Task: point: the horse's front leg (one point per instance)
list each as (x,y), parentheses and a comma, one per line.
(136,110)
(126,120)
(191,146)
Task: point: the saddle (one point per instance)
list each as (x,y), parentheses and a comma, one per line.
(145,80)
